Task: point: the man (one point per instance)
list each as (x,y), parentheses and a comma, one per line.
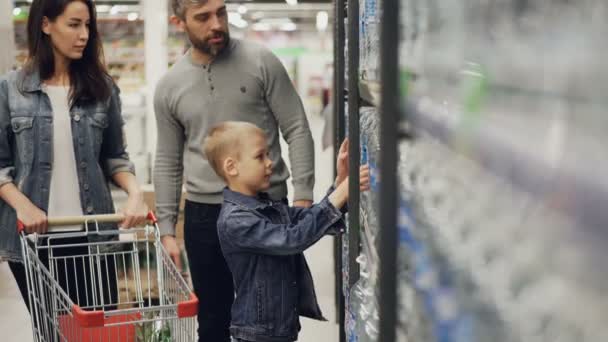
(219,79)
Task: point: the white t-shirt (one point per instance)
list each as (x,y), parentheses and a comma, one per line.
(64,196)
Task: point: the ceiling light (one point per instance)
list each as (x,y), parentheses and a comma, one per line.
(236,20)
(289,27)
(233,16)
(132,16)
(103,8)
(322,20)
(261,27)
(242,9)
(291,2)
(118,8)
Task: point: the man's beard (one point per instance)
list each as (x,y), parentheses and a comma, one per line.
(204,46)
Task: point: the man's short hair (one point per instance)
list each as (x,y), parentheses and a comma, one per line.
(179,7)
(226,140)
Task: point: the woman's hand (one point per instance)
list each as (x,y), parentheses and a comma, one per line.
(135,211)
(34,220)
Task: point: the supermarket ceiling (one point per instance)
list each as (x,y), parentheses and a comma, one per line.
(136,2)
(259,15)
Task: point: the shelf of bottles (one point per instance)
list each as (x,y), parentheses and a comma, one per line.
(501,220)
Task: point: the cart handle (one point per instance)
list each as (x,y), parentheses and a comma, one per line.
(75,220)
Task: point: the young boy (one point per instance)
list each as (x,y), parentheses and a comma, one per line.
(263,240)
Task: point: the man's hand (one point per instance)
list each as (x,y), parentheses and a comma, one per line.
(302,203)
(170,244)
(342,163)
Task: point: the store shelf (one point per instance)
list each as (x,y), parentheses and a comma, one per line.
(496,144)
(502,170)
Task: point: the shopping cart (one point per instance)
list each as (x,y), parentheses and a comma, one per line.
(83,287)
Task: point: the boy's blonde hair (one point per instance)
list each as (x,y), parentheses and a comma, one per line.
(226,140)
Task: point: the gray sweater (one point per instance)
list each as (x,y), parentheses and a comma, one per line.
(245,83)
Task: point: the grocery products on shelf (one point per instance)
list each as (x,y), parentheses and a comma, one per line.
(501,183)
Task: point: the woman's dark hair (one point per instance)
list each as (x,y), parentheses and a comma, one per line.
(89,78)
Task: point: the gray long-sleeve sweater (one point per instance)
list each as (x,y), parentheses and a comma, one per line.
(245,83)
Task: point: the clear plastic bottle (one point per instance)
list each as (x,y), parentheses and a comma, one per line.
(352,309)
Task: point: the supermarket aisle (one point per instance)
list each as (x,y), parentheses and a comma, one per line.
(14,321)
(321,256)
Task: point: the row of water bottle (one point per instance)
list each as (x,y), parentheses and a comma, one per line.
(362,324)
(550,52)
(481,260)
(369,125)
(362,304)
(369,39)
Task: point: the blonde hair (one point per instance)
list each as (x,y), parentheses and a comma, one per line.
(226,140)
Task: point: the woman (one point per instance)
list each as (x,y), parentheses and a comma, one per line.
(61,133)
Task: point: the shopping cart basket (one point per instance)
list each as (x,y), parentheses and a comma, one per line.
(100,286)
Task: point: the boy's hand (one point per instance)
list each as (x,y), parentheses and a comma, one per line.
(340,196)
(364,178)
(342,163)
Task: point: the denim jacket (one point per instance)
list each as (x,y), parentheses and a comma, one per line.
(262,241)
(26,151)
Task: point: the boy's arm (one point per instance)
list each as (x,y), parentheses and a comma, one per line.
(340,226)
(247,232)
(333,188)
(296,212)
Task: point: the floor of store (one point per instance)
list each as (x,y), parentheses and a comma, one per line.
(14,320)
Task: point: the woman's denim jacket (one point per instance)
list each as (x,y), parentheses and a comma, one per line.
(262,241)
(26,151)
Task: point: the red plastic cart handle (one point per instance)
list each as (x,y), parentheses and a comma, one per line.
(152,217)
(20,226)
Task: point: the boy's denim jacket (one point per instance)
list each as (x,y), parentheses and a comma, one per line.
(26,151)
(262,241)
